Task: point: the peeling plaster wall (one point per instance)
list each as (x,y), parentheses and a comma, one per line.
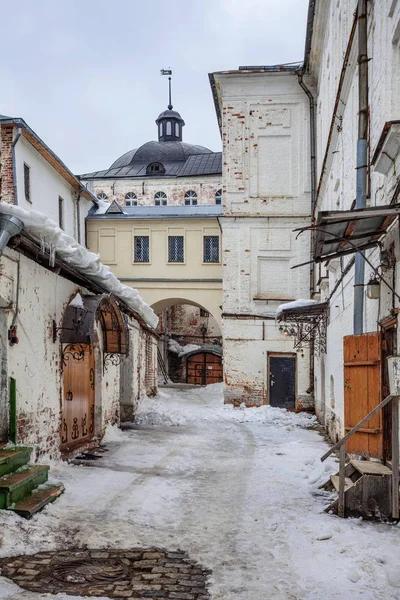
(34,362)
(333,24)
(175,188)
(266,187)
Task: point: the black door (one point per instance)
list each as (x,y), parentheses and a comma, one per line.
(282,381)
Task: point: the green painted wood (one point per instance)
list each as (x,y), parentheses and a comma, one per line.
(37,500)
(17,486)
(13,410)
(12,459)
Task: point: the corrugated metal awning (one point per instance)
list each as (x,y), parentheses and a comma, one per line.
(344,232)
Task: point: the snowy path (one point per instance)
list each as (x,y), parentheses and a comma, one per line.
(234,488)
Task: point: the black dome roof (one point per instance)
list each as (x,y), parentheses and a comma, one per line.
(170,114)
(167,153)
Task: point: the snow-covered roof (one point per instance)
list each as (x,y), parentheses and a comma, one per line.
(71,252)
(295,304)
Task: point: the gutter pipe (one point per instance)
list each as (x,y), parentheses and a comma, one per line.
(14,166)
(9,226)
(362,160)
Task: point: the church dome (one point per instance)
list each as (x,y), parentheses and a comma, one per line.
(165,153)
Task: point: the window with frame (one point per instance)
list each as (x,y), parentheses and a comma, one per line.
(160,199)
(176,253)
(141,248)
(102,196)
(130,199)
(60,212)
(190,198)
(211,249)
(156,168)
(218,197)
(27,182)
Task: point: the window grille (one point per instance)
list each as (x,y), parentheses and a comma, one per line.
(190,198)
(211,249)
(27,182)
(218,197)
(130,199)
(175,248)
(142,248)
(102,196)
(60,212)
(160,198)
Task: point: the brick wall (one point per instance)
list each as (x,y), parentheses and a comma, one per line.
(6,170)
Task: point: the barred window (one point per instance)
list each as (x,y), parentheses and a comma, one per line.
(130,199)
(142,248)
(176,249)
(218,197)
(211,249)
(27,182)
(190,198)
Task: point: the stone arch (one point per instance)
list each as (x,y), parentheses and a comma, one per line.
(209,305)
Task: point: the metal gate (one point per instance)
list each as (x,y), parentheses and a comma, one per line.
(282,380)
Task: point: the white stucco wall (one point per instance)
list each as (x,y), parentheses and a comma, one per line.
(266,187)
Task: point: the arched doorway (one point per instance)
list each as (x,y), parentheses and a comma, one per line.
(84,317)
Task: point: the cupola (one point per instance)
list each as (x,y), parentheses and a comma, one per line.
(170,125)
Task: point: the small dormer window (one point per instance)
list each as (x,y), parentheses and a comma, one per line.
(155,169)
(160,199)
(190,198)
(130,199)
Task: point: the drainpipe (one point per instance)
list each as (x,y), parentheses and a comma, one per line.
(362,159)
(313,166)
(78,216)
(14,167)
(9,226)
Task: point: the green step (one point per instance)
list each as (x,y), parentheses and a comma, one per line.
(18,485)
(36,501)
(12,459)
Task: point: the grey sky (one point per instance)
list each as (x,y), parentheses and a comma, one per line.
(85,76)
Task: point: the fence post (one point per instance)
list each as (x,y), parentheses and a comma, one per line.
(342,464)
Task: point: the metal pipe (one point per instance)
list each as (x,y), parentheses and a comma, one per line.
(78,216)
(9,226)
(362,159)
(14,167)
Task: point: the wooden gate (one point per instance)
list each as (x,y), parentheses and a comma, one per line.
(362,392)
(78,402)
(204,368)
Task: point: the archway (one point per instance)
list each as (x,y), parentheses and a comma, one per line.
(185,326)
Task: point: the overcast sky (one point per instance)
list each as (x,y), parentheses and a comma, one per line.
(84,74)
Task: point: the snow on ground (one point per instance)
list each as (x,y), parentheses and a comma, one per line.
(236,488)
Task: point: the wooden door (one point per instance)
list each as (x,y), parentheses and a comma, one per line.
(362,392)
(282,381)
(203,368)
(78,402)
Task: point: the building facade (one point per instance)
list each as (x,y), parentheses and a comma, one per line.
(264,119)
(64,329)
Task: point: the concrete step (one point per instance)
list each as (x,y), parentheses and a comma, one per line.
(16,486)
(12,459)
(37,500)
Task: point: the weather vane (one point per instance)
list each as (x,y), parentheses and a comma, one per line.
(169,73)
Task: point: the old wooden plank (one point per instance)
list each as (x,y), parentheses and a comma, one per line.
(342,464)
(369,467)
(356,427)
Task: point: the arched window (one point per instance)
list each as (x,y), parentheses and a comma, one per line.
(190,198)
(155,169)
(177,132)
(130,199)
(160,199)
(160,129)
(218,197)
(102,196)
(169,128)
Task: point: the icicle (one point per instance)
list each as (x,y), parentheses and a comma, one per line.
(52,254)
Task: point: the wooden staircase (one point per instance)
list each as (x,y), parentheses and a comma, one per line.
(23,487)
(367,490)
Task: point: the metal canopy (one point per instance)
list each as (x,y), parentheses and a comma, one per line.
(306,324)
(343,232)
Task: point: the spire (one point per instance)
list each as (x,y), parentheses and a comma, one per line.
(169,122)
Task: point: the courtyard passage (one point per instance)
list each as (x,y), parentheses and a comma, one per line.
(234,490)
